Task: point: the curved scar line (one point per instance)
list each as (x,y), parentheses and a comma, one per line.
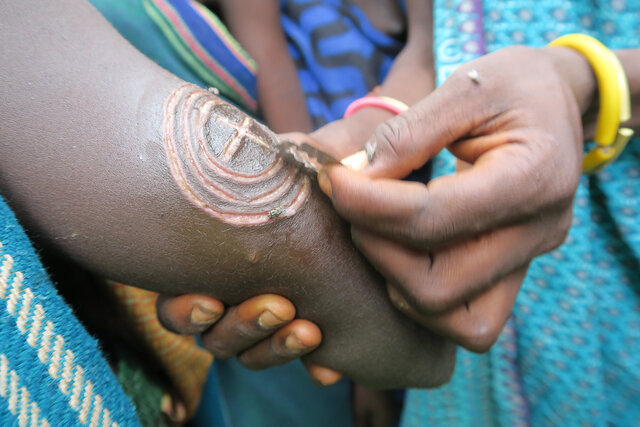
(211,182)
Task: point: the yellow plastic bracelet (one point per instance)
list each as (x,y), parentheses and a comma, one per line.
(615,100)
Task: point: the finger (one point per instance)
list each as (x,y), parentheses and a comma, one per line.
(290,342)
(435,281)
(173,408)
(407,141)
(188,314)
(246,324)
(322,376)
(346,136)
(477,324)
(505,186)
(339,138)
(470,149)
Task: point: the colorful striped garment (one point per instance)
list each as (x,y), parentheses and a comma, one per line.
(203,42)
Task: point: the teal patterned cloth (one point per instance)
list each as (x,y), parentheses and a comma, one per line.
(52,372)
(570,354)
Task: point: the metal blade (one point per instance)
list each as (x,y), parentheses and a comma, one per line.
(304,155)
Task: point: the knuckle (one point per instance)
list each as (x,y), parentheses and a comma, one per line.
(387,136)
(219,350)
(166,317)
(168,323)
(558,175)
(247,331)
(420,226)
(428,226)
(279,350)
(553,232)
(394,139)
(563,225)
(434,298)
(429,295)
(250,363)
(561,190)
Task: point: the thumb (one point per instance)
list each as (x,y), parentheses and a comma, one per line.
(407,141)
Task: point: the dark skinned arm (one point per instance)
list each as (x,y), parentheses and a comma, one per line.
(86,125)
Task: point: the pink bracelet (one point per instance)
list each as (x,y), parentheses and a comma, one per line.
(385,102)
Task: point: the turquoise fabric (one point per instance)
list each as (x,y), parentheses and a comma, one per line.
(282,396)
(570,355)
(52,371)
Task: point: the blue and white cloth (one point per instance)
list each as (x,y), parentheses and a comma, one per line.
(52,373)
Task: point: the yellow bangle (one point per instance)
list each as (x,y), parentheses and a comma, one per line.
(615,100)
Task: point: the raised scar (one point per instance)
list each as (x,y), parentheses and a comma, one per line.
(226,164)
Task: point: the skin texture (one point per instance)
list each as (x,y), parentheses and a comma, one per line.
(85,168)
(226,163)
(455,252)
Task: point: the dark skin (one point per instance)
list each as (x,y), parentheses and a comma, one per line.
(109,202)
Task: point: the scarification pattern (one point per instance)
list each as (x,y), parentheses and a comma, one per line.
(226,163)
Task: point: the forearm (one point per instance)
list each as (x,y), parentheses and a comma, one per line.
(412,76)
(256,25)
(105,158)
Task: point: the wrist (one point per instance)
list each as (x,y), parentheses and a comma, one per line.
(370,117)
(574,69)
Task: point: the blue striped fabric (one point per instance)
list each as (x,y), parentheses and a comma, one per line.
(340,56)
(215,45)
(203,43)
(217,48)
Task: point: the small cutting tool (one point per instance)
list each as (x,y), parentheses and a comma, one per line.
(304,155)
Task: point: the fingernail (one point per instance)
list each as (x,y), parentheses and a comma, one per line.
(325,183)
(322,381)
(175,410)
(294,344)
(268,320)
(356,161)
(166,405)
(202,316)
(397,299)
(325,377)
